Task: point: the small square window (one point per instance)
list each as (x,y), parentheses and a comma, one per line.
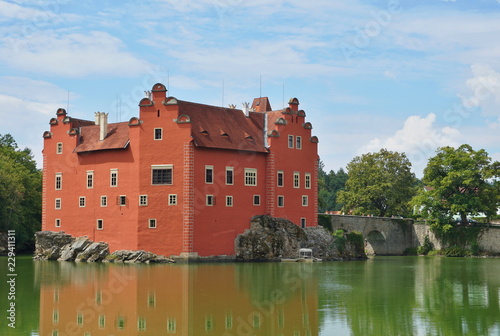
(59,148)
(250,176)
(290,141)
(104,201)
(307,181)
(229,201)
(100,224)
(229,175)
(113,177)
(298,142)
(172,199)
(281,201)
(210,200)
(122,200)
(281,175)
(57,222)
(82,202)
(143,200)
(305,200)
(152,223)
(58,204)
(158,133)
(256,199)
(209,174)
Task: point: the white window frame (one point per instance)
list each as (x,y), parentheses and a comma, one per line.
(230,169)
(253,200)
(101,221)
(58,204)
(105,199)
(282,201)
(298,142)
(207,169)
(305,200)
(307,180)
(172,199)
(114,178)
(143,200)
(251,175)
(296,179)
(152,223)
(282,173)
(209,200)
(59,148)
(122,200)
(58,181)
(290,141)
(162,167)
(57,222)
(90,179)
(81,202)
(229,200)
(161,133)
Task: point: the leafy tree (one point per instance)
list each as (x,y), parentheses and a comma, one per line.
(379,183)
(459,181)
(329,185)
(20,192)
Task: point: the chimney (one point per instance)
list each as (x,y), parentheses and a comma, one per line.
(246,109)
(96,117)
(103,125)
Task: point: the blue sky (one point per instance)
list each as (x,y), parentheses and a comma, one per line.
(409,76)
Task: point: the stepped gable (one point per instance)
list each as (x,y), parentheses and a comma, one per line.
(117,138)
(224,128)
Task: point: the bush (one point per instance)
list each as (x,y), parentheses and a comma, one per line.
(410,251)
(426,247)
(474,248)
(434,253)
(456,252)
(325,221)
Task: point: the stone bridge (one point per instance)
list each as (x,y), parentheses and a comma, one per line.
(383,236)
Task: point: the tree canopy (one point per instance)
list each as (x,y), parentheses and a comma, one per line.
(20,192)
(379,184)
(329,186)
(460,181)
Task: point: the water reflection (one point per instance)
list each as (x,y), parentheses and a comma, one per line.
(216,299)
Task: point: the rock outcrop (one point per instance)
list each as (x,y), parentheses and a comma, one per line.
(271,239)
(63,247)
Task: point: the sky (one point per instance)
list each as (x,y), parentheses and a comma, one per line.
(410,76)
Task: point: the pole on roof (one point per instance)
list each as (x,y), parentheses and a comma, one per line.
(260,86)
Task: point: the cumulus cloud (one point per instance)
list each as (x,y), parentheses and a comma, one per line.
(483,89)
(419,138)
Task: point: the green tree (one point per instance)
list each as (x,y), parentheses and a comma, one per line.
(20,192)
(379,183)
(329,185)
(459,181)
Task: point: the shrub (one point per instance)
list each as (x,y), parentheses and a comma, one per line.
(426,247)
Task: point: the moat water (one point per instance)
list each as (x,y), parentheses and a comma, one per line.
(380,296)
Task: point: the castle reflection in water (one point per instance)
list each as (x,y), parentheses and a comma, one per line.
(173,299)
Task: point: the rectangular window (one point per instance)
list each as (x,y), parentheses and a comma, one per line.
(256,199)
(152,223)
(281,201)
(158,133)
(152,300)
(210,200)
(79,319)
(113,177)
(303,222)
(250,176)
(290,141)
(141,324)
(162,175)
(102,321)
(82,202)
(58,181)
(296,180)
(143,200)
(229,175)
(281,175)
(55,316)
(122,200)
(59,148)
(307,180)
(58,204)
(229,201)
(57,222)
(209,174)
(229,321)
(305,200)
(104,201)
(171,325)
(120,322)
(100,224)
(172,199)
(298,142)
(90,179)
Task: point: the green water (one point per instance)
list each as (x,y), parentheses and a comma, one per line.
(381,296)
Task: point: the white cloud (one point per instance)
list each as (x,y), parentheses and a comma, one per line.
(71,54)
(483,89)
(419,138)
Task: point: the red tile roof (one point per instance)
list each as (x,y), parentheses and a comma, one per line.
(117,138)
(261,105)
(219,120)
